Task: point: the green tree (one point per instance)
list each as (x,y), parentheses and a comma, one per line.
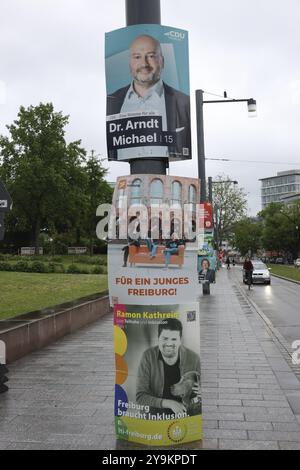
(229,206)
(281,230)
(97,191)
(247,236)
(42,172)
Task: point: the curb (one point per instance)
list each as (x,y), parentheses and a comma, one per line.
(266,320)
(283,345)
(32,331)
(285,278)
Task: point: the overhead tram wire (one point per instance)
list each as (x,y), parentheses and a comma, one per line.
(252,161)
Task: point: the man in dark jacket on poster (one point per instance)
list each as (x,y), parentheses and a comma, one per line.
(148,93)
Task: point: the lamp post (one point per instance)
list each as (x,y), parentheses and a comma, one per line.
(251,104)
(145,12)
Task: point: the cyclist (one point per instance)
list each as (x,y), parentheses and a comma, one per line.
(228,262)
(248,268)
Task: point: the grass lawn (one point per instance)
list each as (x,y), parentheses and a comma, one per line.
(26,292)
(286,271)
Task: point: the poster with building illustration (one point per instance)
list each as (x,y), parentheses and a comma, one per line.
(152,254)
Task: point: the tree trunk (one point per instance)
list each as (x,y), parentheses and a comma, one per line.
(37,229)
(91,246)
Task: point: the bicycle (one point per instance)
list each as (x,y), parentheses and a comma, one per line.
(249,279)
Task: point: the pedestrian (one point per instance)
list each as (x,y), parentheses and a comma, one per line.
(248,269)
(228,262)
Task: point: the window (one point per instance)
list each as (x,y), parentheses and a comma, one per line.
(121,198)
(176,194)
(156,192)
(192,194)
(136,192)
(192,197)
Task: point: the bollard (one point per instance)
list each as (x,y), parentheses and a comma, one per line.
(3,378)
(206,288)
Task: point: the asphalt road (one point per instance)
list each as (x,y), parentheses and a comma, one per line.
(280,302)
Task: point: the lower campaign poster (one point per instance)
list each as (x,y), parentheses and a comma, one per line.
(149,280)
(158,375)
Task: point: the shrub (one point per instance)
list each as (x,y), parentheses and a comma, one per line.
(73,269)
(51,268)
(5,266)
(21,266)
(56,268)
(98,270)
(84,271)
(37,267)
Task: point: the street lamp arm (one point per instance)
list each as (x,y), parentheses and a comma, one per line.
(229,101)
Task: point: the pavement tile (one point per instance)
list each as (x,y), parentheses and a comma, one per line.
(266,403)
(260,416)
(4,445)
(225,434)
(210,444)
(286,427)
(37,446)
(223,416)
(247,445)
(275,436)
(289,445)
(246,425)
(293,397)
(207,424)
(288,381)
(279,364)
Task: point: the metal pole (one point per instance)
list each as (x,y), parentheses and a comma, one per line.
(142,12)
(210,197)
(217,228)
(200,145)
(145,12)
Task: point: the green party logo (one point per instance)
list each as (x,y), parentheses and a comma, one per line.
(177,431)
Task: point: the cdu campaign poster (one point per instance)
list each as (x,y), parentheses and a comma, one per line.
(158,376)
(148,95)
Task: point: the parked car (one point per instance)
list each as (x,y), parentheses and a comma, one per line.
(297,263)
(279,261)
(261,273)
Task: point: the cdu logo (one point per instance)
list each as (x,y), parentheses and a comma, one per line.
(176,35)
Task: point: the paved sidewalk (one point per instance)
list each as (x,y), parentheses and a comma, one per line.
(62,396)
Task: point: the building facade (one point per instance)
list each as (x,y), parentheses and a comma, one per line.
(277,188)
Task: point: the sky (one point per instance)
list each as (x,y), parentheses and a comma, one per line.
(53,50)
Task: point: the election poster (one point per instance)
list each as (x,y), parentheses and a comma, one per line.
(158,398)
(152,257)
(207,259)
(208,216)
(148,93)
(145,283)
